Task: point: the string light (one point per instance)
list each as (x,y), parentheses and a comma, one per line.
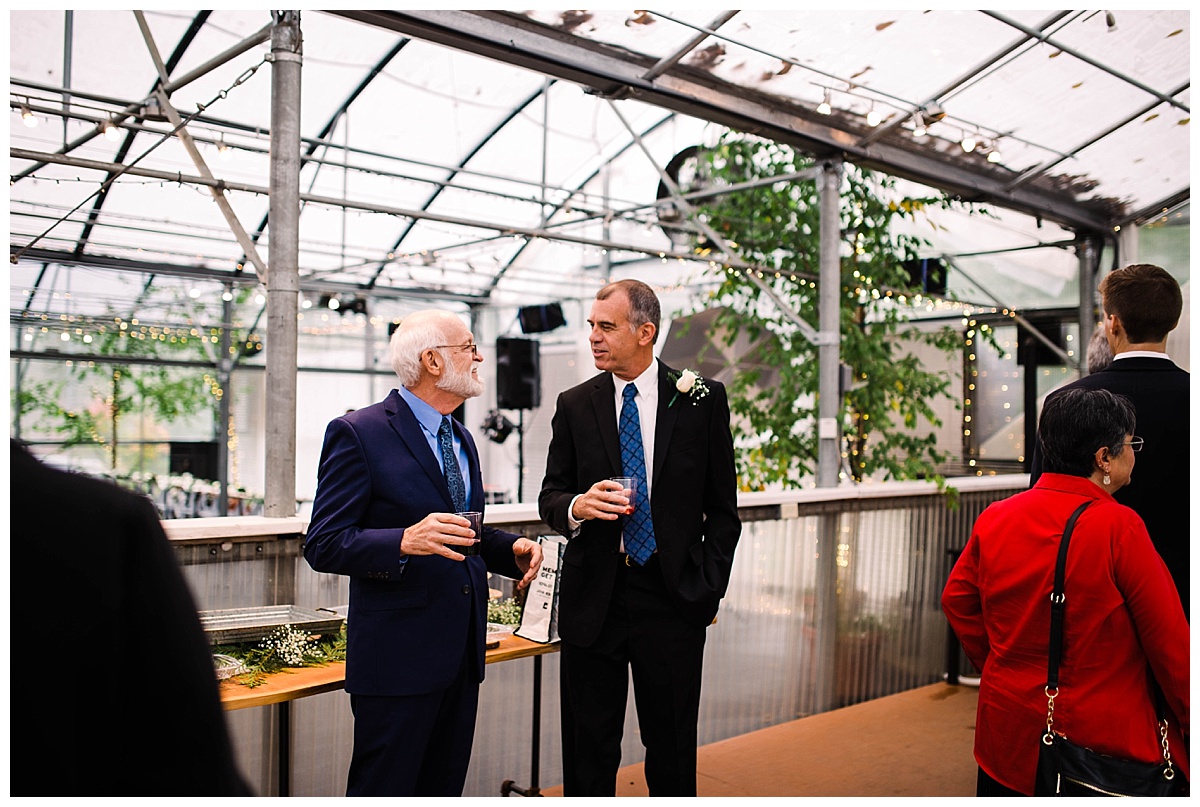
(919,127)
(824,108)
(874,116)
(110,130)
(27,116)
(968,143)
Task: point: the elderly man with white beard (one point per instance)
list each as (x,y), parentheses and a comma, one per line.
(392,480)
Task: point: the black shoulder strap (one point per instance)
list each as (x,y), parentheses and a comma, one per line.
(1058,599)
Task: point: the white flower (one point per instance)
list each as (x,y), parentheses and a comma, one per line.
(686,379)
(689,383)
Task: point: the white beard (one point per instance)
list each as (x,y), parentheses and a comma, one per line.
(459,382)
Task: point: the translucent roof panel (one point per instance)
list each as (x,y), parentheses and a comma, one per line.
(497,157)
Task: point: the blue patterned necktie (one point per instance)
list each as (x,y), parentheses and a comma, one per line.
(454,480)
(639,528)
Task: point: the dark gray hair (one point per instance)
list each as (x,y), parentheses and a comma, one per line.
(1077,421)
(643,302)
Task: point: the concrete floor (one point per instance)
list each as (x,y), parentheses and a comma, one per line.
(916,743)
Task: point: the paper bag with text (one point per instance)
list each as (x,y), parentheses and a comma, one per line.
(539,619)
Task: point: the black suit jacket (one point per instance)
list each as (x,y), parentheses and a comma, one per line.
(1160,488)
(693,500)
(113,692)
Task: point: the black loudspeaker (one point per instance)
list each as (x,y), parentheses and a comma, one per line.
(197,459)
(1031,350)
(927,275)
(518,374)
(541,318)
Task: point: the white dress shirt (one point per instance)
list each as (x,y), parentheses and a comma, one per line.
(647,404)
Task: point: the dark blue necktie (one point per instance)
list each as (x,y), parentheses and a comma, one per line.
(454,480)
(639,528)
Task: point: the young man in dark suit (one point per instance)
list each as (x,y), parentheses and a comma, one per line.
(392,477)
(641,580)
(1142,304)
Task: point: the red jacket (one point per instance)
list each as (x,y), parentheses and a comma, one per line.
(1122,614)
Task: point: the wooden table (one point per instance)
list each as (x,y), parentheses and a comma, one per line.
(300,682)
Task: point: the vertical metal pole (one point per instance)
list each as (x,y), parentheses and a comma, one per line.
(224,376)
(283,273)
(829,432)
(1087,301)
(68,51)
(829,403)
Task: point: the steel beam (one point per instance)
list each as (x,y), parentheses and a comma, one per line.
(512,39)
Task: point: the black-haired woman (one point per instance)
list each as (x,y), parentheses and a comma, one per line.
(1124,627)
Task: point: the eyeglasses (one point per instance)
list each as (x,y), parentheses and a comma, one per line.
(1135,444)
(471,347)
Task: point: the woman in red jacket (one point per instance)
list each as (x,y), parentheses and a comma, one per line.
(1124,621)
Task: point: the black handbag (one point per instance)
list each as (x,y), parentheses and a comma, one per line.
(1067,769)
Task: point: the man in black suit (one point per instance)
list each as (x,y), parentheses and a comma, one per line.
(393,476)
(1141,305)
(641,580)
(114,692)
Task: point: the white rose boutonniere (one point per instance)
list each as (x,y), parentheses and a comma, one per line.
(689,383)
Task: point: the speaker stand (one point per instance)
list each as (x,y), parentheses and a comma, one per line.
(520,454)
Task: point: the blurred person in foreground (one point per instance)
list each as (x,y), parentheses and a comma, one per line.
(1142,304)
(392,477)
(114,690)
(1124,628)
(641,580)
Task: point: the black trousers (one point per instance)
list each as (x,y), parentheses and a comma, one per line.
(643,634)
(987,786)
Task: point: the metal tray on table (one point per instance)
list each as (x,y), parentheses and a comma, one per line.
(234,625)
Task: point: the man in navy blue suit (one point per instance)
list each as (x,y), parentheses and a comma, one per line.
(392,477)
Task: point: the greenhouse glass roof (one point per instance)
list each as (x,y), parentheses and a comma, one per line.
(501,158)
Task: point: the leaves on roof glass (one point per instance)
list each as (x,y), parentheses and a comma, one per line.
(885,25)
(570,20)
(708,57)
(640,18)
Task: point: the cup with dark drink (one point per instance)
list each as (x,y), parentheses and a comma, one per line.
(476,520)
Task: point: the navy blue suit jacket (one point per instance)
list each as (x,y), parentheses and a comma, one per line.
(408,625)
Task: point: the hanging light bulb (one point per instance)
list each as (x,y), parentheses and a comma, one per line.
(994,156)
(824,108)
(110,130)
(27,116)
(919,125)
(874,117)
(968,143)
(223,149)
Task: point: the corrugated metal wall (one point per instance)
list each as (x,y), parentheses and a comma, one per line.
(769,659)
